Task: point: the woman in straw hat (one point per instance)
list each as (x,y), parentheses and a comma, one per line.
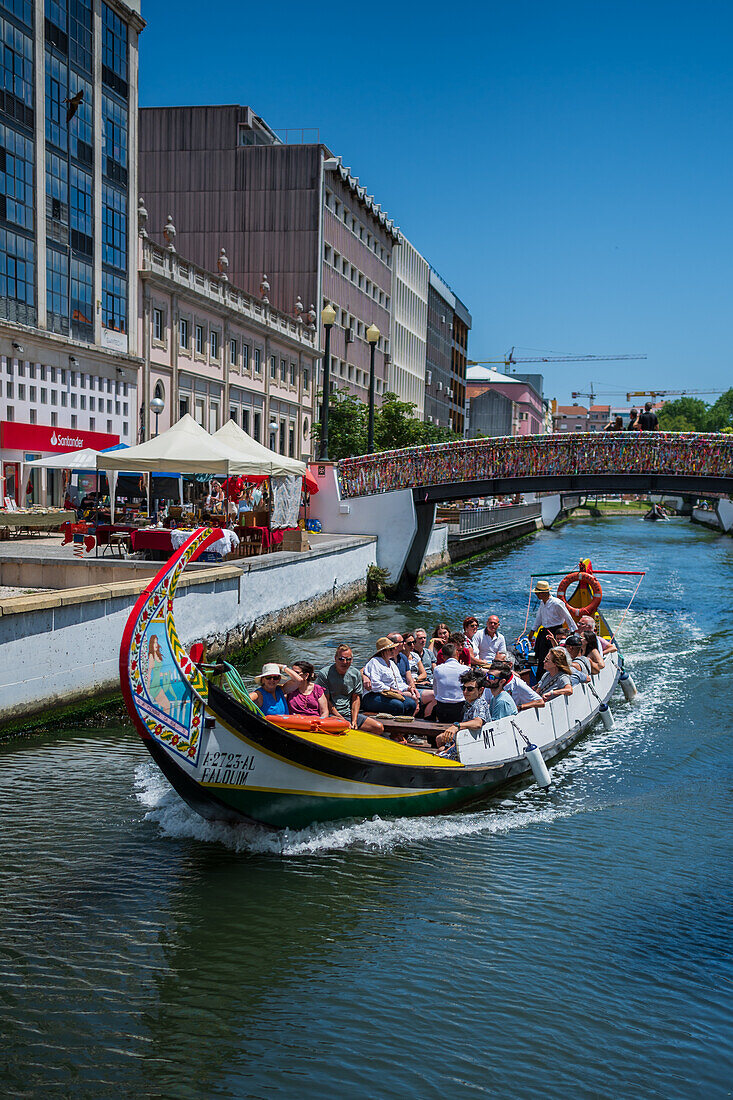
(270,696)
(389,693)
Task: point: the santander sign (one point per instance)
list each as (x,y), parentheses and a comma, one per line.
(43,438)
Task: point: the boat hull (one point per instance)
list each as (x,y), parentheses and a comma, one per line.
(231,765)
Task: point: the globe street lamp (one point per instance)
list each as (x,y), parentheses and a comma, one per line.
(372,335)
(157,404)
(328,318)
(273,434)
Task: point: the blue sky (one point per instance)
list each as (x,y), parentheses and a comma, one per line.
(566,167)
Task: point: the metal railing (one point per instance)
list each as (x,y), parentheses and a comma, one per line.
(474,521)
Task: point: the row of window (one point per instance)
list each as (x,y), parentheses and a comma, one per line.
(63,398)
(16,177)
(340,264)
(355,226)
(91,422)
(62,377)
(350,373)
(16,70)
(288,371)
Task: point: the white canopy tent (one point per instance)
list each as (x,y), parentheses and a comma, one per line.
(85,459)
(261,459)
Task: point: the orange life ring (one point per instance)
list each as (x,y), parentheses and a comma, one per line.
(302,723)
(582,578)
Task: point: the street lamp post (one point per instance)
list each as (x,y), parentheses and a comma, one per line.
(328,317)
(156,406)
(372,335)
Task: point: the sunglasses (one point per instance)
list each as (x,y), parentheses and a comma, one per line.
(469,687)
(270,678)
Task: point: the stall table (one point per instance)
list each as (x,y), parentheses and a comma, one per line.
(35,521)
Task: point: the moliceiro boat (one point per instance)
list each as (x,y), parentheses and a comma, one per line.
(231,764)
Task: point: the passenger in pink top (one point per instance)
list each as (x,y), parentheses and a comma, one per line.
(308,697)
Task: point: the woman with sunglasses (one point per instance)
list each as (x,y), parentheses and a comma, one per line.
(475,709)
(270,696)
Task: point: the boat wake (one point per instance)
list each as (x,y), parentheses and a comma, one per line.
(175,819)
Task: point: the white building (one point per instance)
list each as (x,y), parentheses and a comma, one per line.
(406,374)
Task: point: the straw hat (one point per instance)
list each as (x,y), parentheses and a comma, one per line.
(542,586)
(382,644)
(270,669)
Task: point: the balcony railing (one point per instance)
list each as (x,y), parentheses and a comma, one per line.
(474,521)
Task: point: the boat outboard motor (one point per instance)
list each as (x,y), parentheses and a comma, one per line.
(536,760)
(627,686)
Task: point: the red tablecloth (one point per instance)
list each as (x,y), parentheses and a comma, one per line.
(158,539)
(104,530)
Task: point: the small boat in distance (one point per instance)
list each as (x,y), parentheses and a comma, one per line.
(656,512)
(231,764)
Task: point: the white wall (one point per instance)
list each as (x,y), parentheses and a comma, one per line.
(389,516)
(406,375)
(57,653)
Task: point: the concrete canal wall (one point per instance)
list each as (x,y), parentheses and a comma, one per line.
(60,647)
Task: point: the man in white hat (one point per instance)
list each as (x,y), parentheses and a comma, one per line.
(551,614)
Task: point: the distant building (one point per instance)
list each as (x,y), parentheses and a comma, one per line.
(570,418)
(298,228)
(68,230)
(447,350)
(406,370)
(526,410)
(598,417)
(217,353)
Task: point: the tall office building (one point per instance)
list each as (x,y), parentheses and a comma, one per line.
(68,226)
(298,227)
(447,348)
(406,372)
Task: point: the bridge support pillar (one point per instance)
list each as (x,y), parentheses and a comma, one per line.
(425,517)
(551,509)
(724,508)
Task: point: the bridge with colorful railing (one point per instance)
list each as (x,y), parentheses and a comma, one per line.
(394,493)
(588,462)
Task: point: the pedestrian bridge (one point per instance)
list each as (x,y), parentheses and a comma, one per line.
(588,462)
(393,494)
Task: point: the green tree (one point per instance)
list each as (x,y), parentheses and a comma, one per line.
(347,425)
(395,425)
(720,415)
(686,414)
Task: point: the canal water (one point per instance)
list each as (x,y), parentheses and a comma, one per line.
(574,943)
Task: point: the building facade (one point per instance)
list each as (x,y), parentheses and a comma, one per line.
(217,353)
(68,181)
(298,228)
(570,418)
(446,352)
(406,369)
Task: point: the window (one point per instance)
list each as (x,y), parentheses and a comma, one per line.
(258,363)
(158,324)
(80,33)
(214,344)
(114,128)
(16,177)
(73,400)
(183,405)
(109,426)
(292,374)
(213,416)
(57,90)
(114,51)
(57,291)
(199,339)
(183,332)
(245,420)
(291,440)
(83,401)
(8,389)
(109,407)
(114,227)
(54,397)
(306,378)
(282,437)
(57,188)
(257,427)
(92,423)
(63,400)
(54,419)
(81,128)
(273,367)
(245,356)
(21,392)
(10,413)
(233,413)
(32,416)
(114,302)
(283,370)
(44,396)
(73,420)
(92,404)
(233,353)
(82,317)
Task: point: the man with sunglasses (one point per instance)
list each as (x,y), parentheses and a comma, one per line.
(475,709)
(501,704)
(343,686)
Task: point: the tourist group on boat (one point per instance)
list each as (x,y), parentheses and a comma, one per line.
(461,678)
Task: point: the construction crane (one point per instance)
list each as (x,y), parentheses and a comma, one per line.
(510,360)
(654,394)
